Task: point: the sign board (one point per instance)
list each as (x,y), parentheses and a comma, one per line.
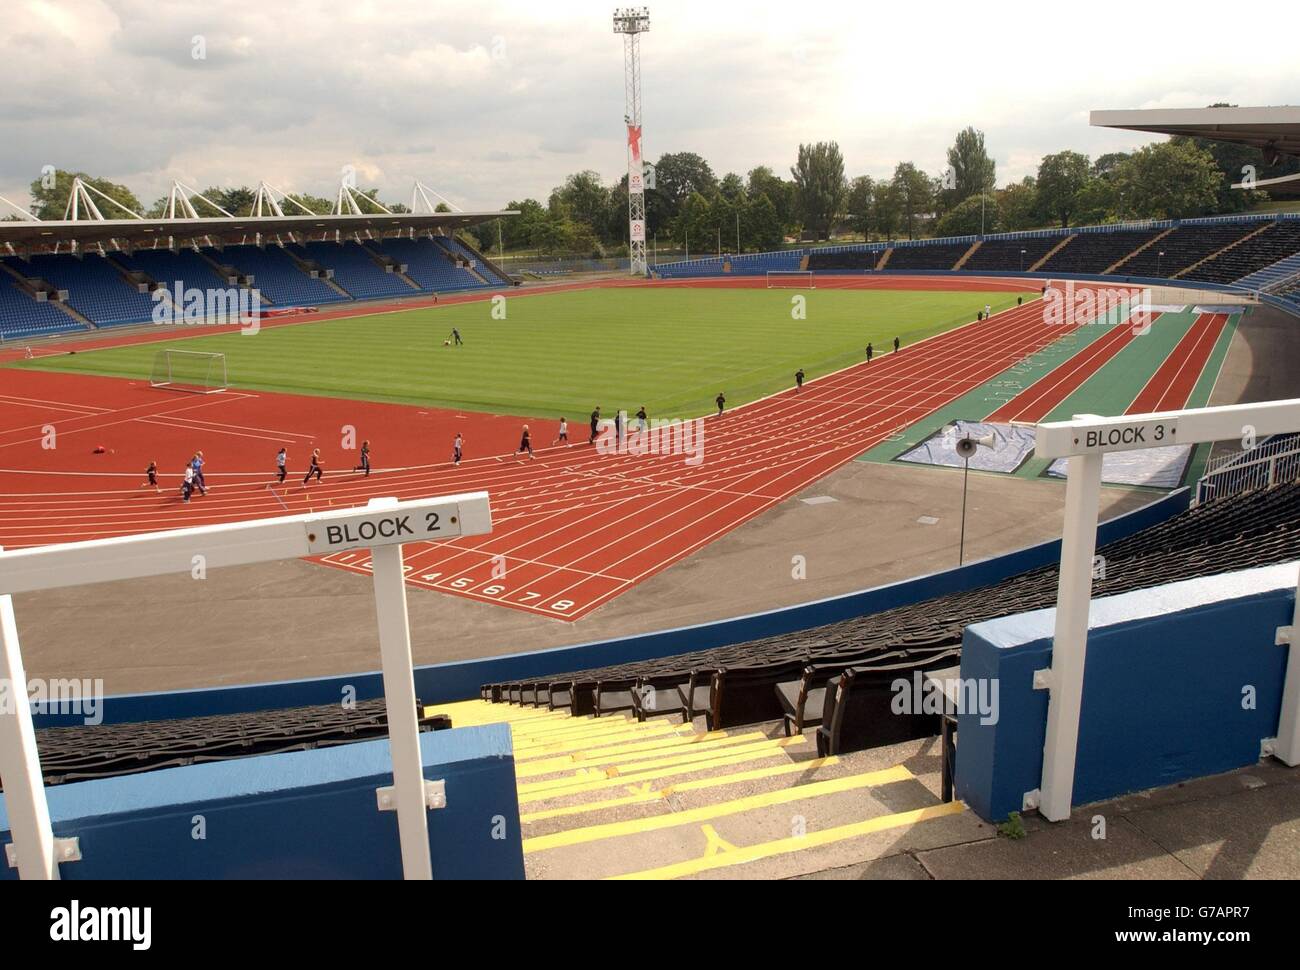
(384,523)
(638,230)
(1104,436)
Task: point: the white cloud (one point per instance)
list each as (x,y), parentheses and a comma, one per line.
(500,99)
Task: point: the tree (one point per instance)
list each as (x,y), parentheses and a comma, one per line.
(1172,180)
(50,195)
(678,175)
(915,195)
(972,171)
(969,217)
(886,207)
(1060,179)
(1018,205)
(763,181)
(732,187)
(858,205)
(820,186)
(586,200)
(761,227)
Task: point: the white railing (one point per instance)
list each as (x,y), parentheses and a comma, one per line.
(382,526)
(1085,440)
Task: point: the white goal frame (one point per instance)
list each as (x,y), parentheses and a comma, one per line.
(164,375)
(798,279)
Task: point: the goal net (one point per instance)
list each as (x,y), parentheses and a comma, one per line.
(189,370)
(799,279)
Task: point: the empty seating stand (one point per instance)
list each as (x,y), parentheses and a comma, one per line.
(1275,243)
(1004,255)
(431,265)
(1184,247)
(800,678)
(22,316)
(1095,252)
(844,260)
(96,288)
(277,277)
(355,270)
(941,256)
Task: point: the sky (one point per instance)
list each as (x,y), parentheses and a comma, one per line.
(490,101)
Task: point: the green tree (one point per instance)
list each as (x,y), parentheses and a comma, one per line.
(1018,205)
(587,201)
(761,227)
(1171,180)
(915,195)
(969,217)
(1061,177)
(859,204)
(820,186)
(50,196)
(886,207)
(971,170)
(763,181)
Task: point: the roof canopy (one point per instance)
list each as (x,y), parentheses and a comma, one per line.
(136,233)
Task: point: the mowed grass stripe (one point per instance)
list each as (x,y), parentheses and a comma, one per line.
(557,354)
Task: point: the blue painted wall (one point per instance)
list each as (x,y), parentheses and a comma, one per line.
(1162,693)
(461,680)
(303,815)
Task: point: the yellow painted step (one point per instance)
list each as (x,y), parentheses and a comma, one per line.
(816,789)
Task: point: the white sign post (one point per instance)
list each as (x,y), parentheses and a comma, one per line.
(383,525)
(1084,440)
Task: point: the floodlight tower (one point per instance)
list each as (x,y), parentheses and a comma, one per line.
(632,22)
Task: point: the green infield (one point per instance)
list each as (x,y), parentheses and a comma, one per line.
(672,350)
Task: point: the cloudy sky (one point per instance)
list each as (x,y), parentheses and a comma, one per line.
(492,100)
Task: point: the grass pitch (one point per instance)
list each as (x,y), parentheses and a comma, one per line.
(564,353)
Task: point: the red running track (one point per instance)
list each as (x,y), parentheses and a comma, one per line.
(573,529)
(1173,382)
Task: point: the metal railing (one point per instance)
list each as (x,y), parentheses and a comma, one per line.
(1275,460)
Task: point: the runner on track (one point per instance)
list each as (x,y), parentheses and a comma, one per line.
(526,444)
(595,425)
(314,469)
(152,473)
(365,458)
(281,460)
(187,486)
(199,480)
(564,433)
(456,447)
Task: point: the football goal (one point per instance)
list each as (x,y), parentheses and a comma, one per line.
(189,370)
(799,279)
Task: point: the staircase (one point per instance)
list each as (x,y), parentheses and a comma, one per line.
(612,797)
(1141,249)
(310,266)
(884,258)
(387,262)
(1052,252)
(968,254)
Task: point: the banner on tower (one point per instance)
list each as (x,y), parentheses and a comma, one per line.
(638,230)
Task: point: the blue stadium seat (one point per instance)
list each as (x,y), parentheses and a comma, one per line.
(355,270)
(96,288)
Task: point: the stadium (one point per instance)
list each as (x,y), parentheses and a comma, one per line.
(853,545)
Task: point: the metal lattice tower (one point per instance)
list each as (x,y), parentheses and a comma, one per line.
(632,22)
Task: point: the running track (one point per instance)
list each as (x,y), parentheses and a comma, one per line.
(572,530)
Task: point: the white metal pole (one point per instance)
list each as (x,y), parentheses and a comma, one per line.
(1070,642)
(1287,749)
(20,765)
(403,722)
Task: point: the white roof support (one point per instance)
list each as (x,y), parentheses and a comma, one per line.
(1085,440)
(422,197)
(23,213)
(382,526)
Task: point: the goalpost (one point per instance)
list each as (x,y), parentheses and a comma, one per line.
(190,370)
(799,279)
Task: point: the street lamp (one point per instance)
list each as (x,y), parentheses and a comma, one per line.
(1160,258)
(966,448)
(1022,260)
